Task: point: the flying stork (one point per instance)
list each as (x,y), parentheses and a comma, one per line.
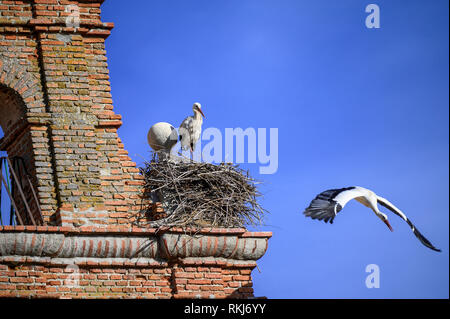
(191,129)
(327,204)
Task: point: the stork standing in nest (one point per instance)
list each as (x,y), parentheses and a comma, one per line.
(191,128)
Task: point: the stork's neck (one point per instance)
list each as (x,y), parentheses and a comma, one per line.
(198,116)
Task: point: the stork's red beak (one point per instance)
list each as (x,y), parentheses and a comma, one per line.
(201,112)
(388,225)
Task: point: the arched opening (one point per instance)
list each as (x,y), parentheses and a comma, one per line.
(5,202)
(19,204)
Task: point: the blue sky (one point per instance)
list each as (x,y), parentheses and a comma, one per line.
(353,106)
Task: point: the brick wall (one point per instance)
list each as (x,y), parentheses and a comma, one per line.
(125,281)
(59,77)
(118,262)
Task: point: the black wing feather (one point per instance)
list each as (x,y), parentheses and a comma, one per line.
(323,207)
(416,232)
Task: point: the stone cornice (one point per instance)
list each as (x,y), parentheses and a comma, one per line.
(92,245)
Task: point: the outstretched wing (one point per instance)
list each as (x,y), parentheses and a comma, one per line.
(326,206)
(384,202)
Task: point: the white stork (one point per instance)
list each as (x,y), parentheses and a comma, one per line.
(327,204)
(162,137)
(191,129)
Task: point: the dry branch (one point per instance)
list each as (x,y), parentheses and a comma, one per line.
(197,195)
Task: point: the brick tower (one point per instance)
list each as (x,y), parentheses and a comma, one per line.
(56,113)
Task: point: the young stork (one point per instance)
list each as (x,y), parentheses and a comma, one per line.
(191,129)
(327,204)
(162,137)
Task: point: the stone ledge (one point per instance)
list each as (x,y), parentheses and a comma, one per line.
(51,244)
(117,230)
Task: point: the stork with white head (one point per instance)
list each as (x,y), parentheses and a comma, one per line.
(191,128)
(329,203)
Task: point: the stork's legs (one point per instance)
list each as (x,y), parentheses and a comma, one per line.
(192,156)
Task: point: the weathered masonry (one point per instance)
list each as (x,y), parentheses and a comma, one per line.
(56,113)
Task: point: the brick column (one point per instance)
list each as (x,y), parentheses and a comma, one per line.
(86,176)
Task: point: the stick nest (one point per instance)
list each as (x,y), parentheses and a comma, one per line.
(198,195)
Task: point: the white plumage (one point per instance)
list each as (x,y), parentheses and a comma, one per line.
(327,204)
(162,137)
(191,128)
